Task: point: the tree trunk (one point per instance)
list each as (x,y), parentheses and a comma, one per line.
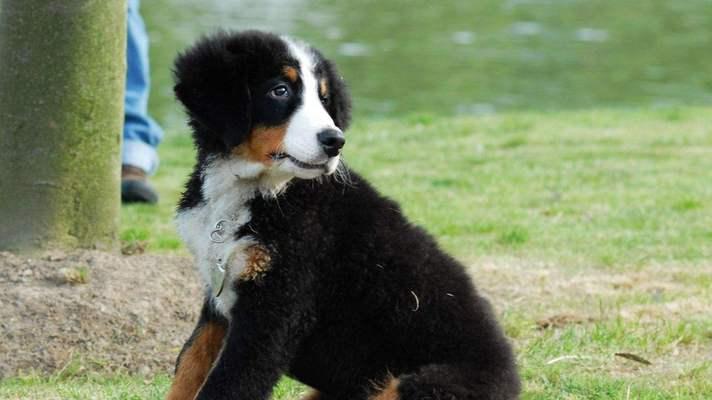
(62,72)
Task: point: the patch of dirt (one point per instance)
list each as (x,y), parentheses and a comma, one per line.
(556,296)
(95,311)
(562,320)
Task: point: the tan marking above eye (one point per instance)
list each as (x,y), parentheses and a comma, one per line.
(262,143)
(323,88)
(291,73)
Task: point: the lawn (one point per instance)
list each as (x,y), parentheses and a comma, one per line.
(591,232)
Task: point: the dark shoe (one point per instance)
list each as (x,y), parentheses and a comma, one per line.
(135,187)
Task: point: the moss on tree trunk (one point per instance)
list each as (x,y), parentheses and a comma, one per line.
(62,72)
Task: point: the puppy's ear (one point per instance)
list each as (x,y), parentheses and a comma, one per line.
(211,82)
(339,107)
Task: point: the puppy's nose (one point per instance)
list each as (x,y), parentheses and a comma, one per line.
(331,140)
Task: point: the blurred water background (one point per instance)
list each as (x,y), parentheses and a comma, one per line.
(469,57)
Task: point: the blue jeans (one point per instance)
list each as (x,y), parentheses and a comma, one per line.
(141,133)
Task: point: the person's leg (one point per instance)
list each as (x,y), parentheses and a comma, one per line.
(141,133)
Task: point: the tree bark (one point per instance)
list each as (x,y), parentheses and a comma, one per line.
(62,73)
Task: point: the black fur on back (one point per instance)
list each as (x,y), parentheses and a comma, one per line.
(382,296)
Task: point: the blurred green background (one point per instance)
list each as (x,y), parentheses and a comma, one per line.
(470,57)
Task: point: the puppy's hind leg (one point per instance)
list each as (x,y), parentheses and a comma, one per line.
(198,355)
(451,382)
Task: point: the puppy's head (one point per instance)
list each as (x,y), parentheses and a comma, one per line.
(274,104)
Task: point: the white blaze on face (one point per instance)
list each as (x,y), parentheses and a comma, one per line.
(308,119)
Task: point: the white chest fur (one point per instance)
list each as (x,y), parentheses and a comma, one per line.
(225,202)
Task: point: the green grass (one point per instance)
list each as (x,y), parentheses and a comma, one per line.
(597,223)
(590,188)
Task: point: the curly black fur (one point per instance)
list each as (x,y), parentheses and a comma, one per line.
(355,292)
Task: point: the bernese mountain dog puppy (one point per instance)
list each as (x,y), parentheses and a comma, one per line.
(309,271)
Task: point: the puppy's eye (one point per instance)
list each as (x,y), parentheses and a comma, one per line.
(324,100)
(280,92)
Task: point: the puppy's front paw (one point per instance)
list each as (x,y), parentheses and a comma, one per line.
(257,263)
